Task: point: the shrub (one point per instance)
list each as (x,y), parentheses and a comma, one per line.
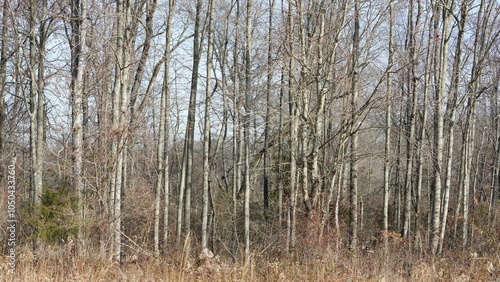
(54,219)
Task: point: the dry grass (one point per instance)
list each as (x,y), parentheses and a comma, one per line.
(325,265)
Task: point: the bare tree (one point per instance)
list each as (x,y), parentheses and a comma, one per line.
(388,123)
(206,129)
(292,104)
(452,108)
(187,159)
(237,145)
(3,71)
(268,108)
(36,101)
(163,172)
(78,61)
(411,112)
(354,77)
(120,108)
(246,122)
(440,77)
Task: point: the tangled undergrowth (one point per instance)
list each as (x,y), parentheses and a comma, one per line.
(57,264)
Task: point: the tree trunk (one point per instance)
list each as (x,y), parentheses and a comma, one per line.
(353,225)
(187,160)
(78,63)
(268,109)
(495,173)
(467,162)
(36,102)
(437,158)
(120,121)
(166,92)
(162,163)
(452,108)
(206,130)
(3,75)
(292,211)
(281,180)
(420,155)
(246,125)
(412,112)
(388,122)
(481,47)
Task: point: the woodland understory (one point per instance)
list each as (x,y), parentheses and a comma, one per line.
(259,140)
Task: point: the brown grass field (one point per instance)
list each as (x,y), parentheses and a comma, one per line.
(57,264)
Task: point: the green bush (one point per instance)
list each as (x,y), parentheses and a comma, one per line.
(54,219)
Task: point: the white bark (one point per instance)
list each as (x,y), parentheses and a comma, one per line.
(412,112)
(206,130)
(78,63)
(353,225)
(387,153)
(452,108)
(36,101)
(3,73)
(442,57)
(246,125)
(291,220)
(166,92)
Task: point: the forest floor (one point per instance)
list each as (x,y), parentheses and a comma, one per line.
(328,265)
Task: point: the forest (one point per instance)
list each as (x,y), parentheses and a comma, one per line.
(251,140)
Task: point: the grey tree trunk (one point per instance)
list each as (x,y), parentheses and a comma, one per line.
(120,121)
(114,123)
(495,187)
(303,97)
(78,64)
(160,167)
(388,123)
(281,180)
(3,74)
(206,130)
(292,209)
(397,178)
(412,112)
(482,46)
(420,155)
(237,152)
(320,128)
(268,109)
(467,162)
(452,108)
(495,173)
(246,125)
(437,158)
(353,223)
(187,161)
(36,101)
(166,92)
(342,183)
(162,163)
